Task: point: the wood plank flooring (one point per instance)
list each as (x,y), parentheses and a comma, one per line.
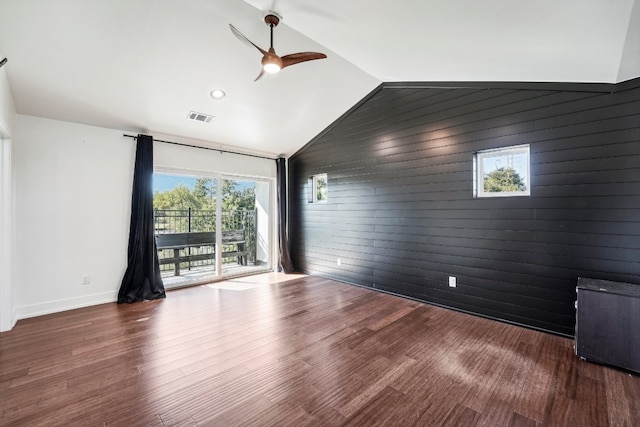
(269,350)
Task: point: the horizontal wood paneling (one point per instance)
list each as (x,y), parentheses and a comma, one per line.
(402,218)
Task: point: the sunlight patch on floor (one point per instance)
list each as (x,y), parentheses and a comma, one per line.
(254,281)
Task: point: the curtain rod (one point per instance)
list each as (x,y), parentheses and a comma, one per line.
(204,148)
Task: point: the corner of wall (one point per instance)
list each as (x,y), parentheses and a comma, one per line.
(629,67)
(7,106)
(7,237)
(338,120)
(8,314)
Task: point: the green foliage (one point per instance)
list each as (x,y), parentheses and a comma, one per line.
(172,206)
(504,179)
(204,190)
(234,199)
(203,196)
(321,189)
(181,197)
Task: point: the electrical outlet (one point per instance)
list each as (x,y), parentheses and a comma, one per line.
(86,279)
(339,261)
(452,282)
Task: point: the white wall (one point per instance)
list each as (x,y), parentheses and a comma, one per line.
(73,199)
(73,204)
(630,62)
(7,282)
(167,157)
(7,109)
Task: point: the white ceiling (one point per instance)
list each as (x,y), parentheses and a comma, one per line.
(142,65)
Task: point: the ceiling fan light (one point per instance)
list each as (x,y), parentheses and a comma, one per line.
(271,67)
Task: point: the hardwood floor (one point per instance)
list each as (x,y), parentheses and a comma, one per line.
(271,351)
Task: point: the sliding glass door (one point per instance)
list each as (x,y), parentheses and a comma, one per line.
(189,210)
(245,226)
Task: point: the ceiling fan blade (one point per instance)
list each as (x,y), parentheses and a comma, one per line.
(262,73)
(296,58)
(245,40)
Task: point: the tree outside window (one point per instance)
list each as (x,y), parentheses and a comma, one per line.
(504,179)
(502,172)
(319,188)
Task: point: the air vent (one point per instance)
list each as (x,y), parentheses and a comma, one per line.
(199,117)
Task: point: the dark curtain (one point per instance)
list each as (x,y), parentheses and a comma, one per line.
(142,279)
(284,263)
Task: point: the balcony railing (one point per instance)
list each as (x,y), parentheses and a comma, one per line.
(189,220)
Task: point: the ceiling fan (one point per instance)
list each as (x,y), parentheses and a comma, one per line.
(271,62)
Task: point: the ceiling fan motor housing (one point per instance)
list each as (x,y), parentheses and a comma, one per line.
(272,19)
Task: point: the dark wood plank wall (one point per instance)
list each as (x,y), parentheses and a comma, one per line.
(401,215)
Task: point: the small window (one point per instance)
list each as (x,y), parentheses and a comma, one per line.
(502,172)
(319,188)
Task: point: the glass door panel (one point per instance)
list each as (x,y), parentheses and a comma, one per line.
(188,211)
(245,226)
(185,224)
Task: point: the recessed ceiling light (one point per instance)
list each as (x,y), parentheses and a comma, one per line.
(218,94)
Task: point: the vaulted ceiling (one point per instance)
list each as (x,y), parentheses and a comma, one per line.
(143,65)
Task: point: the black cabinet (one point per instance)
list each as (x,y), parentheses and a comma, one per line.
(608,323)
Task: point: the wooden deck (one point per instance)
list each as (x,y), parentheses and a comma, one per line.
(265,350)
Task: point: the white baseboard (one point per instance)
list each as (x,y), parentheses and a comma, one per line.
(12,322)
(40,309)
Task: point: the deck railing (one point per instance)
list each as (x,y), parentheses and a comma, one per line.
(199,220)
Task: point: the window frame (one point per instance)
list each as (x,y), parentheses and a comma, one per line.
(313,182)
(478,171)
